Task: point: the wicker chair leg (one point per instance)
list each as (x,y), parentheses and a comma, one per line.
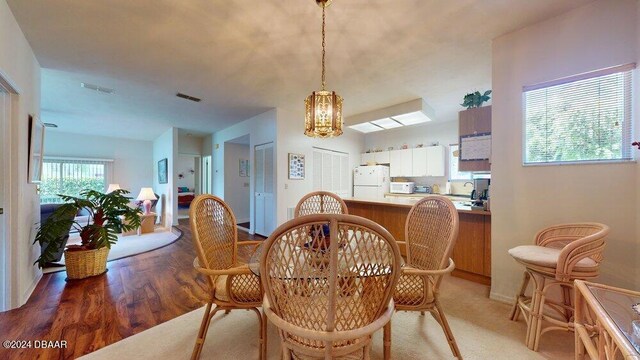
(442,319)
(262,334)
(515,311)
(535,321)
(202,333)
(387,341)
(566,298)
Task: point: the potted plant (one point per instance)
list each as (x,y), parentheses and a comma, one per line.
(109,214)
(475,99)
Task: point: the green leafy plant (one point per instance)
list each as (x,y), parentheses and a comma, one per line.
(111,214)
(476,99)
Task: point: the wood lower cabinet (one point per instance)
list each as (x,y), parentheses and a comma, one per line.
(472,252)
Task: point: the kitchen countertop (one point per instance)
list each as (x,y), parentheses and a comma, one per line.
(408,202)
(452,197)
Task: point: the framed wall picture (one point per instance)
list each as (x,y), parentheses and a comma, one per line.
(36,147)
(296,166)
(244,168)
(162,171)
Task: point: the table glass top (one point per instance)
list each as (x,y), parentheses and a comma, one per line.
(619,307)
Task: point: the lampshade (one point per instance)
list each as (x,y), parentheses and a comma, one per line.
(113,187)
(146,194)
(323,114)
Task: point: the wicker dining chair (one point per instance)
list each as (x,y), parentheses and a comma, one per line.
(231,284)
(431,231)
(329,281)
(320,202)
(561,254)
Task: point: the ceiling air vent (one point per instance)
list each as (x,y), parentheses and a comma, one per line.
(188,97)
(97,88)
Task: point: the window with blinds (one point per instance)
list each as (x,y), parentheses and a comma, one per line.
(331,171)
(585,118)
(70,177)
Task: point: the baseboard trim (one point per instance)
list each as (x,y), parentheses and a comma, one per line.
(27,294)
(501,298)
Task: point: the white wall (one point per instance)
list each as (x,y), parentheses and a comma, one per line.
(20,68)
(165,146)
(132,159)
(236,188)
(525,199)
(291,139)
(261,129)
(190,144)
(445,133)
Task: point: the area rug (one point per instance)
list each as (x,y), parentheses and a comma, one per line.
(128,245)
(481,327)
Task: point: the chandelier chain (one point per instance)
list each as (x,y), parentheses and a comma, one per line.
(323,48)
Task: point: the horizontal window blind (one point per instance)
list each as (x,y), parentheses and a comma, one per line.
(71,176)
(584,119)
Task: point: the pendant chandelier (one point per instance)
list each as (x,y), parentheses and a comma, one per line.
(323,109)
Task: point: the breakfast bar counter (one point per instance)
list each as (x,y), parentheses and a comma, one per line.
(472,252)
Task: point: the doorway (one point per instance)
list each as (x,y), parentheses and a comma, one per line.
(188,174)
(237,179)
(264,213)
(207,185)
(8,97)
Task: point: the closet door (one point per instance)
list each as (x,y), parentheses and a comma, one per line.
(264,211)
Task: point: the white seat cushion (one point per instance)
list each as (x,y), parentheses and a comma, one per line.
(221,288)
(544,256)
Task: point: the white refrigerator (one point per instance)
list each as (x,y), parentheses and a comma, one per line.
(371,182)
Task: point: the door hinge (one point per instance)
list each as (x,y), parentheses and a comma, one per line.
(1,211)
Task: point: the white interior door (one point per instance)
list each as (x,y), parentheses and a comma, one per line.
(264,210)
(4,162)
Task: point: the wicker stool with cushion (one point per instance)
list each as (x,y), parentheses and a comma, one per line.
(320,202)
(562,254)
(329,281)
(232,285)
(431,231)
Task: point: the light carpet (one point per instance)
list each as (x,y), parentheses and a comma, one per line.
(128,245)
(481,327)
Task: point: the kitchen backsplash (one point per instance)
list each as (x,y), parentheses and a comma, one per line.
(457,186)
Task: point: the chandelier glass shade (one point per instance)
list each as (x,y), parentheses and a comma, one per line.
(323,108)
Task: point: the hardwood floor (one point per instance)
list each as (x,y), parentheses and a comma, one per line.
(136,294)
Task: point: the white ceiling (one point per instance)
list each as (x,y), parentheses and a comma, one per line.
(243,57)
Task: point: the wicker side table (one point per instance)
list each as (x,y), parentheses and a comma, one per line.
(603,322)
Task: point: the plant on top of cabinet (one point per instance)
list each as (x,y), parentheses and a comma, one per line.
(476,99)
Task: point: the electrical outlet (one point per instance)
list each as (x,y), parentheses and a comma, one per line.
(286,186)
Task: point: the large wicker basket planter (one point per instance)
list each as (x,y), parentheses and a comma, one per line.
(85,263)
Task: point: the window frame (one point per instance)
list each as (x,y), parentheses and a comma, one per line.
(631,67)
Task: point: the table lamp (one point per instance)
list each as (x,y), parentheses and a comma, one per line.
(113,187)
(146,195)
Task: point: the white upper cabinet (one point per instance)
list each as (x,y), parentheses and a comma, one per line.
(381,157)
(401,162)
(435,160)
(419,166)
(366,158)
(418,162)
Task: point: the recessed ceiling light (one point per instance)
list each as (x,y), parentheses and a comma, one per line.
(97,88)
(50,125)
(417,117)
(387,123)
(366,127)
